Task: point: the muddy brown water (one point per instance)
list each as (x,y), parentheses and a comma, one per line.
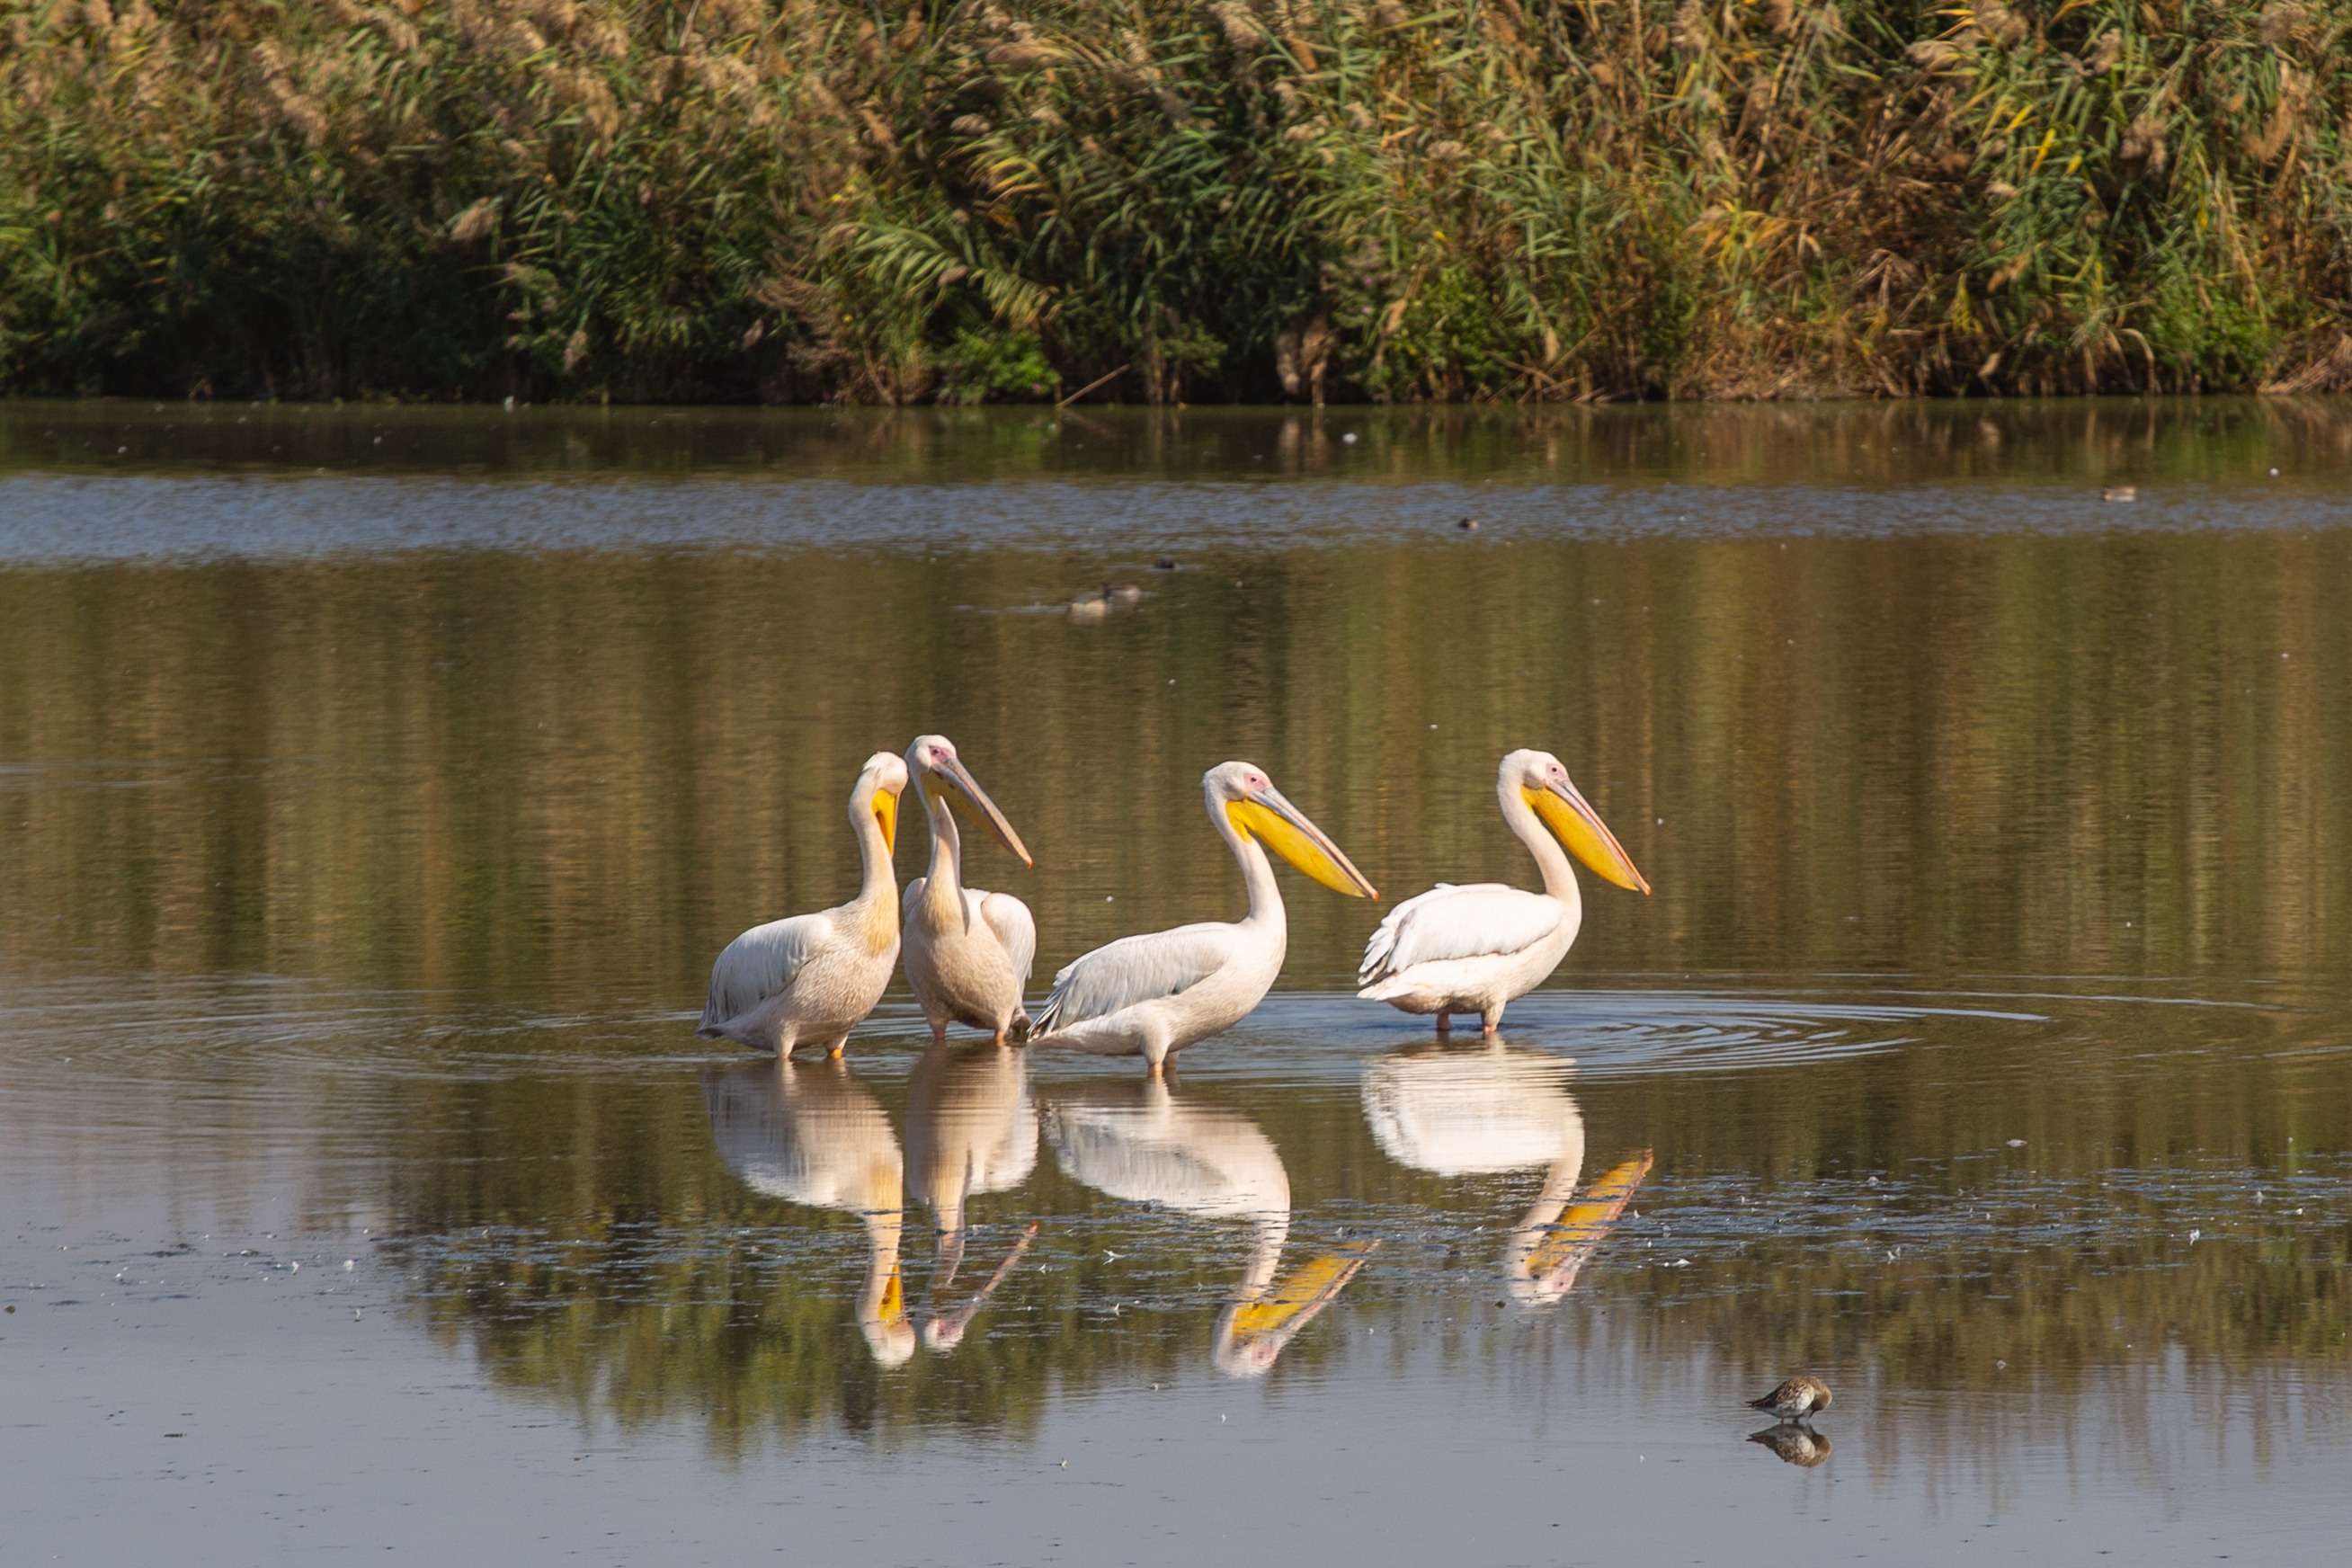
(376,785)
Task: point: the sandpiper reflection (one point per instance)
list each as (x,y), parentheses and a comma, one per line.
(1799,1446)
(1488,1109)
(972,1128)
(809,1133)
(1147,1144)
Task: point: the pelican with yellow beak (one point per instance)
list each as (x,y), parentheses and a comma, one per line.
(1473,949)
(811,979)
(1152,996)
(968,952)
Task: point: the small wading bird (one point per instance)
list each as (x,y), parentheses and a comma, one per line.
(968,952)
(1473,949)
(811,979)
(1152,996)
(1800,1398)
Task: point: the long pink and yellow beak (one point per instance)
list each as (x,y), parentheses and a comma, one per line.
(1552,1263)
(945,1331)
(956,773)
(1255,1331)
(886,812)
(1284,828)
(1574,823)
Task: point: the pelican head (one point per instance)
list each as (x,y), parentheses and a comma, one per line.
(1255,1327)
(932,760)
(1542,781)
(1240,794)
(880,785)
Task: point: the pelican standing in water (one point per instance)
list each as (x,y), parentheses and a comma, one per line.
(813,978)
(1152,996)
(1473,949)
(968,952)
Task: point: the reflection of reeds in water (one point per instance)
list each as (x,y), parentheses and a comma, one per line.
(2157,443)
(631,1271)
(2077,756)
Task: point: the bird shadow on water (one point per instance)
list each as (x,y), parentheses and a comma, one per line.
(1799,1445)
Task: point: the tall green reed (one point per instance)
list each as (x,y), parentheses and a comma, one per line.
(991,199)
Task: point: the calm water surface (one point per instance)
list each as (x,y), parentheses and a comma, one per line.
(375,786)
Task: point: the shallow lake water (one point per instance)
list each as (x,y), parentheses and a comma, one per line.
(376,785)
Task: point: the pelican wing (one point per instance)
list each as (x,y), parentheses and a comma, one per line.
(1009,918)
(1135,969)
(1449,922)
(761,962)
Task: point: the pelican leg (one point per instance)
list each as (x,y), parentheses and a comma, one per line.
(1491,1020)
(940,1033)
(832,1051)
(1445,1023)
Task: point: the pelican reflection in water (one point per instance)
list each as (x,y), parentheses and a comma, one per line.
(972,1128)
(1488,1109)
(1144,1143)
(811,1134)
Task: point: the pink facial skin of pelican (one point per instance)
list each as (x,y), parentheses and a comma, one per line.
(968,952)
(1473,949)
(811,979)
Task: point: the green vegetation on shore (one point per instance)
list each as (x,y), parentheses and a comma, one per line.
(971,200)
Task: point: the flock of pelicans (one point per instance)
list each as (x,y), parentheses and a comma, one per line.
(819,1139)
(810,979)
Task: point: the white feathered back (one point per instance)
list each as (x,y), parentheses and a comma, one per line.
(1450,922)
(1135,969)
(757,964)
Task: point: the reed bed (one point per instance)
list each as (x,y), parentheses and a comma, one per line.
(973,200)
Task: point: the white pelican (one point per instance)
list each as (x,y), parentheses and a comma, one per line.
(813,978)
(812,1135)
(1472,948)
(1152,996)
(972,1128)
(1154,1148)
(968,952)
(1459,1113)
